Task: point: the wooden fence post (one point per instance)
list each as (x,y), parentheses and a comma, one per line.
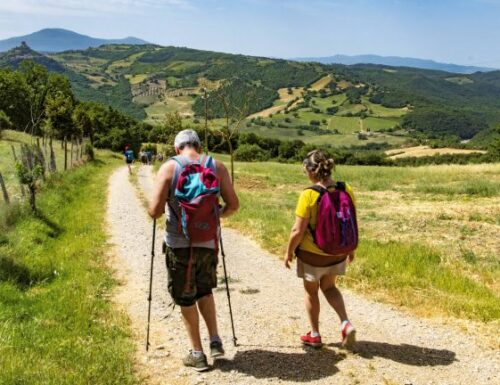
(65,154)
(4,190)
(53,164)
(71,156)
(23,193)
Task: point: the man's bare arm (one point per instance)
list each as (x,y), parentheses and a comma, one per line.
(231,202)
(160,195)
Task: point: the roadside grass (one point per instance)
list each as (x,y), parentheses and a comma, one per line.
(429,234)
(7,165)
(57,324)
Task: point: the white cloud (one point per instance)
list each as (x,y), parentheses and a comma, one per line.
(90,7)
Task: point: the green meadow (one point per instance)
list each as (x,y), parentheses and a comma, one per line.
(57,321)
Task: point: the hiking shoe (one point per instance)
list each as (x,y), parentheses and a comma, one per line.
(309,340)
(216,349)
(199,364)
(348,336)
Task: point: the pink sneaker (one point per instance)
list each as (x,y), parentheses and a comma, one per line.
(309,340)
(348,336)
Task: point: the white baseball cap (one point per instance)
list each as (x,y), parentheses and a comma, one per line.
(186,137)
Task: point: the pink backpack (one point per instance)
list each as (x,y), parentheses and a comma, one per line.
(336,230)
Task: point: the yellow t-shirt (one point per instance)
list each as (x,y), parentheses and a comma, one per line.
(307,208)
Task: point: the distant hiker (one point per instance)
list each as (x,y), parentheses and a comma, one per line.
(149,156)
(323,238)
(129,157)
(187,188)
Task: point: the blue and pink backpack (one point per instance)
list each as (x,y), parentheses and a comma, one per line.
(336,230)
(197,190)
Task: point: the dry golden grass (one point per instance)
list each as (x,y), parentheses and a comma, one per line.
(419,151)
(285,97)
(268,111)
(136,79)
(343,84)
(321,83)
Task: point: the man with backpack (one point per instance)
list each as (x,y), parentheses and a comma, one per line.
(188,188)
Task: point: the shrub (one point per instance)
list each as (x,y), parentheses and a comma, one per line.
(250,153)
(88,151)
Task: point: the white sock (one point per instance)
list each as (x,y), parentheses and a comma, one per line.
(197,353)
(314,334)
(342,325)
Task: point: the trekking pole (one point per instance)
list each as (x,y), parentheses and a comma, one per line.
(151,281)
(227,290)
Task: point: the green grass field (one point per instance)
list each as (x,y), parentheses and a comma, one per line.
(7,165)
(378,110)
(429,234)
(57,324)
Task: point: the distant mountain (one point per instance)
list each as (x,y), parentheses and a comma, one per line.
(58,40)
(396,61)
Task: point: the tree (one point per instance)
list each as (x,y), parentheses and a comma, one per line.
(30,171)
(234,116)
(14,100)
(165,133)
(59,106)
(84,119)
(37,85)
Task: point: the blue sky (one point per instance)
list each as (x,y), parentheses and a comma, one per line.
(457,31)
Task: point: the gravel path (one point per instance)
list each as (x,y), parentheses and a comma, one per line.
(393,348)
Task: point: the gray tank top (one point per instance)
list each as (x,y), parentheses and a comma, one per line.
(173,238)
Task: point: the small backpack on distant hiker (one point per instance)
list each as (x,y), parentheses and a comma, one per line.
(129,155)
(336,230)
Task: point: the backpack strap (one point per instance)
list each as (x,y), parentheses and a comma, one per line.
(340,186)
(208,159)
(319,189)
(180,160)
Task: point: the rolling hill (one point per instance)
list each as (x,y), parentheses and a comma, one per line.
(396,61)
(360,105)
(58,40)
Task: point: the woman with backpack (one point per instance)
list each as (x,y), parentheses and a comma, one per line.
(323,238)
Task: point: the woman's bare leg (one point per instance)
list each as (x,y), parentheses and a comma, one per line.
(333,295)
(312,304)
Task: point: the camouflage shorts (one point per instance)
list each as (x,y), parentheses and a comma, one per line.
(184,290)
